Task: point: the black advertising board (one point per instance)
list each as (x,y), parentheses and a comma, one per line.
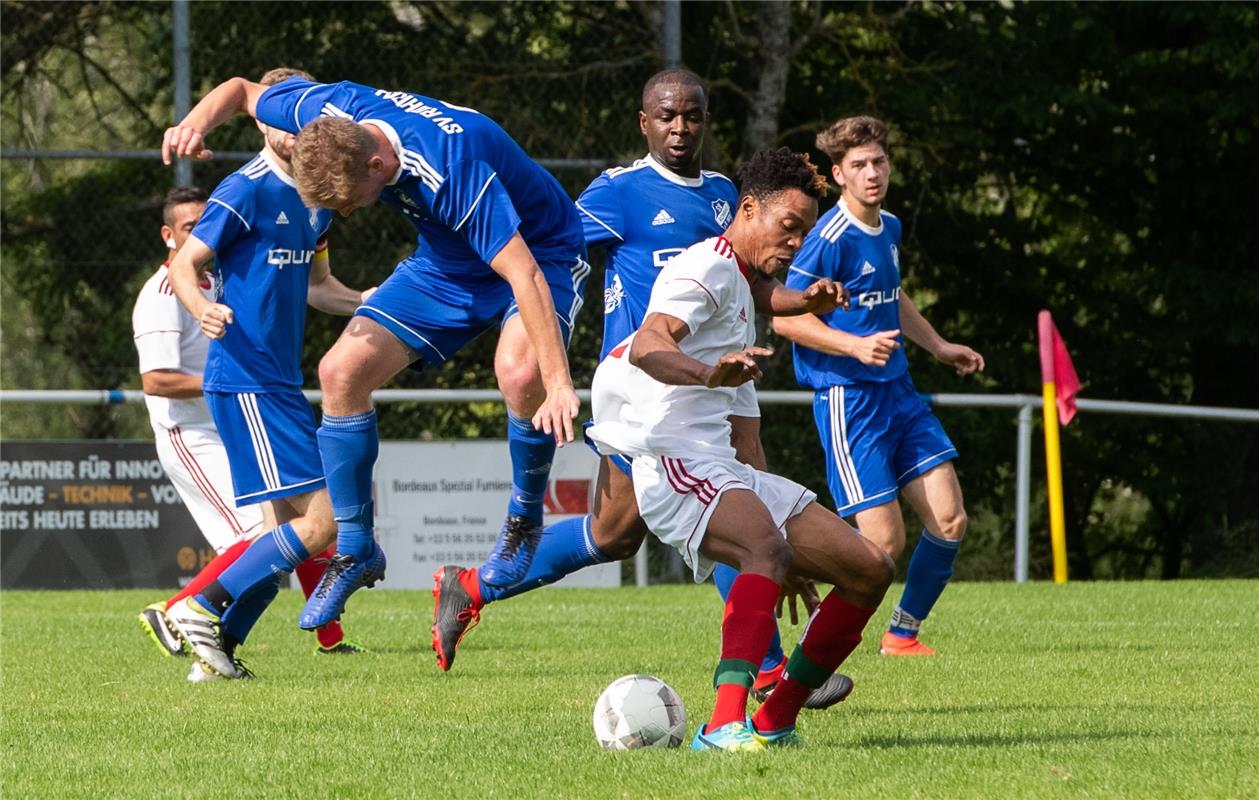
(92,515)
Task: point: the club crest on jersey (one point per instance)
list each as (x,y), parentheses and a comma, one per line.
(663,218)
(722,213)
(314,219)
(896,257)
(614,295)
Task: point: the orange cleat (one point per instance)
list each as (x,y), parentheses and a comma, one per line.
(893,645)
(766,680)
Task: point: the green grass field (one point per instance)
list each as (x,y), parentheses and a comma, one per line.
(1084,691)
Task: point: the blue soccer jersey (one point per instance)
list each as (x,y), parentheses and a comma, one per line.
(463,182)
(867,262)
(264,240)
(644,215)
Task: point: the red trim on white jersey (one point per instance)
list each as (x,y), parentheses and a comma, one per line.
(723,247)
(685,483)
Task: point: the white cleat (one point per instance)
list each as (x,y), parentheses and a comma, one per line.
(201,629)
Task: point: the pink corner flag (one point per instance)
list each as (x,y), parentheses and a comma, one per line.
(1056,367)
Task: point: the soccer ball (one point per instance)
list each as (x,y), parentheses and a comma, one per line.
(639,711)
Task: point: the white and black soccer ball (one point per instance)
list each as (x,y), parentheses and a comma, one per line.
(639,711)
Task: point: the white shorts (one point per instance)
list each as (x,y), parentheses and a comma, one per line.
(196,463)
(677,496)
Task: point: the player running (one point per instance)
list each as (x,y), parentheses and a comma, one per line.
(272,261)
(500,246)
(172,353)
(642,215)
(663,397)
(879,437)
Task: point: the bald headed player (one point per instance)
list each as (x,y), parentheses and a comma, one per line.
(642,216)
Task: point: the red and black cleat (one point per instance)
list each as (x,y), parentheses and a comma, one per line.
(454,614)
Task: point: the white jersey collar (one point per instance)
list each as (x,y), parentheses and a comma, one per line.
(277,169)
(673,177)
(394,142)
(861,226)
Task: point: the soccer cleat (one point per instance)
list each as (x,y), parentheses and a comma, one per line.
(509,561)
(343,647)
(453,614)
(201,630)
(202,672)
(834,690)
(783,737)
(153,622)
(893,645)
(732,737)
(341,579)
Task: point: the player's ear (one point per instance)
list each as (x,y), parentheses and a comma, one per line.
(168,237)
(748,205)
(642,122)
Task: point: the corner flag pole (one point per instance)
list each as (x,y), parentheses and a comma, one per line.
(1053,454)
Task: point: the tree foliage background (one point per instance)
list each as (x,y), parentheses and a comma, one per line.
(1094,159)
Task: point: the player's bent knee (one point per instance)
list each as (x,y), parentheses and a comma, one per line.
(953,526)
(868,583)
(768,554)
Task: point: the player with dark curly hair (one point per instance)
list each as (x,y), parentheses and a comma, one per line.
(663,397)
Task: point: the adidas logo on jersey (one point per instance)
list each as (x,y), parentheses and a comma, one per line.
(663,218)
(867,269)
(282,219)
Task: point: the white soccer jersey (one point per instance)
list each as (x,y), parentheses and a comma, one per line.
(167,337)
(636,415)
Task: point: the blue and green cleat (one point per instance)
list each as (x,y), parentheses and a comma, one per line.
(734,737)
(783,737)
(342,578)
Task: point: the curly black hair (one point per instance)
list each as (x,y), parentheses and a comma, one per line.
(776,169)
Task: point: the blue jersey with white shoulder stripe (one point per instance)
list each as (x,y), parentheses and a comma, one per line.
(644,215)
(264,239)
(463,182)
(866,261)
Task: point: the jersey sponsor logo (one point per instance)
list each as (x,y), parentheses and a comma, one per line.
(722,213)
(661,257)
(414,105)
(867,269)
(281,257)
(872,299)
(613,295)
(283,219)
(663,218)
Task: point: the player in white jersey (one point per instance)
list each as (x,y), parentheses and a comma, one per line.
(663,397)
(880,438)
(172,355)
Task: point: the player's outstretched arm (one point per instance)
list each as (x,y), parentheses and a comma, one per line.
(328,294)
(821,297)
(806,329)
(186,139)
(184,279)
(537,311)
(920,332)
(656,352)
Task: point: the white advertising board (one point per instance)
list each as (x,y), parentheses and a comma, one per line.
(444,503)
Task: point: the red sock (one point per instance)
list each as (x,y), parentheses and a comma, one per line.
(746,629)
(210,571)
(830,637)
(471,583)
(308,574)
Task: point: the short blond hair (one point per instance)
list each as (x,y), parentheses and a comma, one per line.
(330,159)
(280,74)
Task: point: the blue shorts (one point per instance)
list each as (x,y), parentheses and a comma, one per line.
(270,441)
(623,463)
(877,437)
(435,313)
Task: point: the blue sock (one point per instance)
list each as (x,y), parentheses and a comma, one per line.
(274,552)
(531,453)
(242,615)
(724,577)
(348,447)
(930,568)
(566,547)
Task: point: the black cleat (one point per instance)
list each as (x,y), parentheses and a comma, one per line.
(454,614)
(836,688)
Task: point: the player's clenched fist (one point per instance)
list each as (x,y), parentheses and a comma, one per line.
(215,319)
(876,348)
(824,296)
(184,141)
(737,368)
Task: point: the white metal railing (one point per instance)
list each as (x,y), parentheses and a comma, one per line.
(1025,403)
